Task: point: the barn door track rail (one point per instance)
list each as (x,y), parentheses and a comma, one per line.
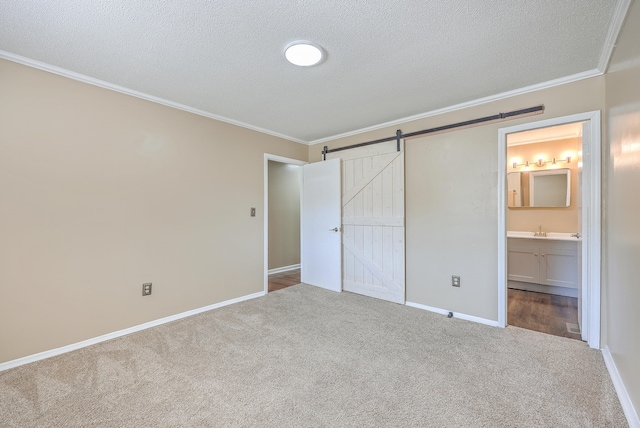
(399,135)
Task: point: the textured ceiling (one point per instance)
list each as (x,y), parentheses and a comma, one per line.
(386,59)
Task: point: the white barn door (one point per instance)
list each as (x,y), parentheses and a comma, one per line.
(373,241)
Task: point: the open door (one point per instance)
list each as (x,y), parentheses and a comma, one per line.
(321,232)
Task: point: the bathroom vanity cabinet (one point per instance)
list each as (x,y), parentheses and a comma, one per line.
(546,262)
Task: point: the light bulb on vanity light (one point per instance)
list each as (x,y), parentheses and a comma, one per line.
(541,162)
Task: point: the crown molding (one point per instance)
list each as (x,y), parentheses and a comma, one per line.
(617,21)
(537,87)
(620,12)
(117,88)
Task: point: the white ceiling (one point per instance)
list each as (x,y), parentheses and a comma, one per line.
(387,60)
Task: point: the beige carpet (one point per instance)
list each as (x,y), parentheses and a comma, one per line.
(306,357)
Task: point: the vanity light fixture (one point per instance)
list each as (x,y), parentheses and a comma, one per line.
(541,162)
(304,53)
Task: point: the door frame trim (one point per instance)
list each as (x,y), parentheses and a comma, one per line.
(269,157)
(592,193)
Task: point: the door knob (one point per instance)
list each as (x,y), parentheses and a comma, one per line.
(335,229)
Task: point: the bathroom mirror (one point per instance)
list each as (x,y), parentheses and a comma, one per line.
(539,189)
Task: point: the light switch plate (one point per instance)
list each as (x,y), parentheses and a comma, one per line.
(253,212)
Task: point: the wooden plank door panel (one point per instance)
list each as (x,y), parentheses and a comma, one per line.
(373,222)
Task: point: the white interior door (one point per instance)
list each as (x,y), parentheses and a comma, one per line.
(320,234)
(373,221)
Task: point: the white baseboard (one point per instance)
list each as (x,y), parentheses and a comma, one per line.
(625,400)
(284,269)
(455,314)
(68,348)
(546,289)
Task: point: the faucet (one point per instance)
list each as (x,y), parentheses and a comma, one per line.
(540,232)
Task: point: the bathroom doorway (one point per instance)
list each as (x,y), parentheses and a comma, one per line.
(549,226)
(543,229)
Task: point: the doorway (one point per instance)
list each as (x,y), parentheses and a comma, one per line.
(543,229)
(588,253)
(282,186)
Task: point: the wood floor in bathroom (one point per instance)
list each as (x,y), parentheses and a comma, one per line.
(542,312)
(278,281)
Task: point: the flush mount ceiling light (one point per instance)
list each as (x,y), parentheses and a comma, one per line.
(303,53)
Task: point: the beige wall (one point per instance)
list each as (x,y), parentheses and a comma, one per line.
(101,192)
(551,219)
(452,197)
(284,215)
(621,285)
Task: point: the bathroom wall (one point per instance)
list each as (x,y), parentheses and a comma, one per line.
(284,215)
(551,219)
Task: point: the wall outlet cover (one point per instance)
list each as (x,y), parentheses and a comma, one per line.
(146,289)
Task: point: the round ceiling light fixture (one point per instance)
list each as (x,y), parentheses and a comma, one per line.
(304,53)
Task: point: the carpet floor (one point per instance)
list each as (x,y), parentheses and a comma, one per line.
(307,357)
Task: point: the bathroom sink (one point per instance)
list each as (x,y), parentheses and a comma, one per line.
(556,236)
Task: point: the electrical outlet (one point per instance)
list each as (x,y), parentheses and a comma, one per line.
(455,281)
(146,289)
